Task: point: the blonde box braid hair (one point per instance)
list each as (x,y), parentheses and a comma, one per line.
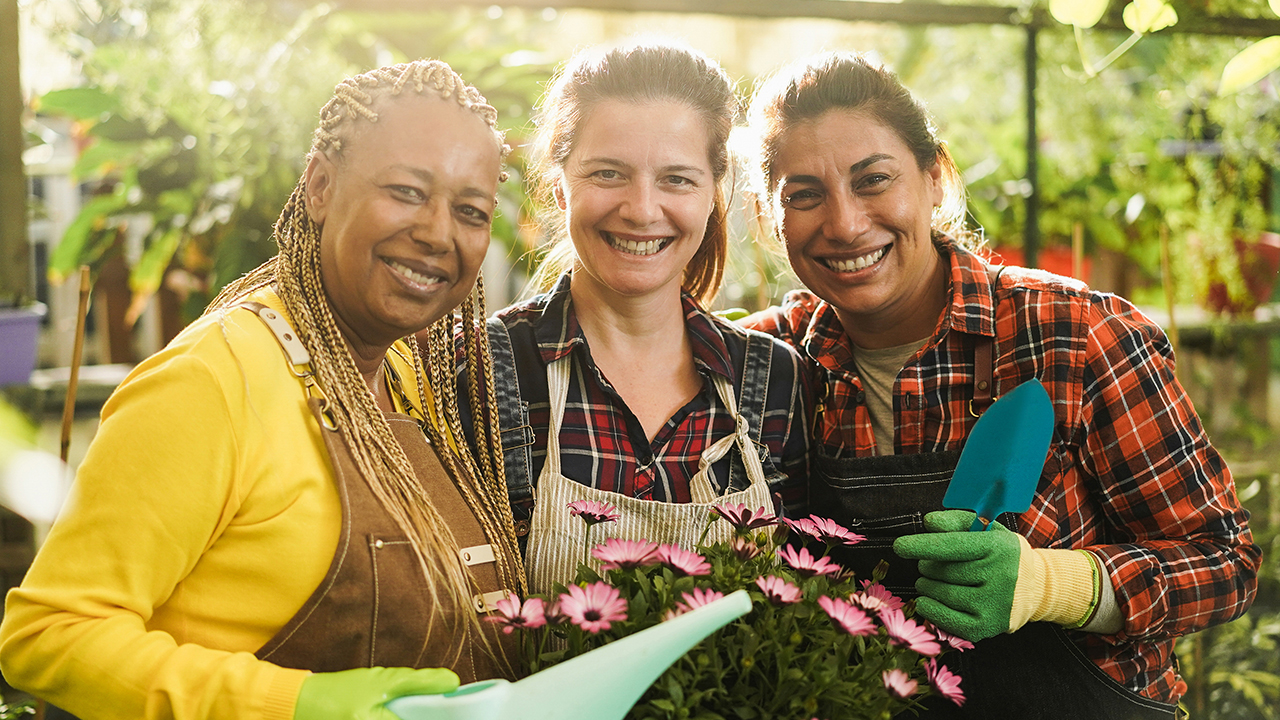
(295,274)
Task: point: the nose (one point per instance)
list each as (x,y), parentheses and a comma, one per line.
(642,205)
(846,219)
(433,224)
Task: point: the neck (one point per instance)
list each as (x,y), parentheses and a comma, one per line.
(609,318)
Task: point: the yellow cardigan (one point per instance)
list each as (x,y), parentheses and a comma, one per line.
(202,518)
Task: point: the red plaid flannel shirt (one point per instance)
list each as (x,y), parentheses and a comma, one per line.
(1130,475)
(602,443)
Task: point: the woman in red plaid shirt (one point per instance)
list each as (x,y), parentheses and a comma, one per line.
(616,385)
(1135,536)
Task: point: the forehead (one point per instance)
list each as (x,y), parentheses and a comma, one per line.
(662,131)
(836,139)
(424,130)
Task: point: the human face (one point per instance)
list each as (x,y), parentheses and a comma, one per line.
(404,215)
(637,190)
(855,212)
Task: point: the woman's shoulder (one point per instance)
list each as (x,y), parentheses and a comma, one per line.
(787,321)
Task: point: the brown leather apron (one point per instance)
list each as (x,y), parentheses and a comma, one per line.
(372,607)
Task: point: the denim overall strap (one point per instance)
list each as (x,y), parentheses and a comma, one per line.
(753,392)
(513,416)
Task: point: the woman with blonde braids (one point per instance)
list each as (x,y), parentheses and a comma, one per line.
(276,518)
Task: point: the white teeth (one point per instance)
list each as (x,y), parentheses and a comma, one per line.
(410,274)
(645,247)
(857,263)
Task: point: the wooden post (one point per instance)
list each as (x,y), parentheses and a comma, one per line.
(15,263)
(1166,278)
(69,403)
(1077,251)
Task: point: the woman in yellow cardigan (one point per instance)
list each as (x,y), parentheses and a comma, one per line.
(275,504)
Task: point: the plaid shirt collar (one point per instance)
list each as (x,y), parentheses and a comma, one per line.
(558,332)
(972,310)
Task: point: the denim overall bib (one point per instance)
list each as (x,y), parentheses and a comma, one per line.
(1036,673)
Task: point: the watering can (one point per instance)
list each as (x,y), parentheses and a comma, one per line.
(599,685)
(1003,458)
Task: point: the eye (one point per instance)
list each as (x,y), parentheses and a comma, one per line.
(607,174)
(473,215)
(407,193)
(873,183)
(678,180)
(805,199)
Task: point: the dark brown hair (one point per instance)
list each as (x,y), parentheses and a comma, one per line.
(642,72)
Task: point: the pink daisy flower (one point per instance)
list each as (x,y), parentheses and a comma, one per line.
(803,526)
(954,641)
(778,591)
(847,617)
(593,608)
(805,564)
(876,597)
(683,561)
(743,548)
(593,511)
(899,683)
(625,554)
(829,531)
(511,614)
(693,600)
(905,632)
(944,681)
(744,519)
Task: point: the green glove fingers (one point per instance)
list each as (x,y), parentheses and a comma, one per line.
(949,520)
(968,579)
(362,694)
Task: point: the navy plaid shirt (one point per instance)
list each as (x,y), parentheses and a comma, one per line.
(1130,475)
(602,443)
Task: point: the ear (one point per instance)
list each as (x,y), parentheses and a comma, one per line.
(936,190)
(320,176)
(558,190)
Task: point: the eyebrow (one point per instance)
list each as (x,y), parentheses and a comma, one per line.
(429,178)
(688,169)
(854,169)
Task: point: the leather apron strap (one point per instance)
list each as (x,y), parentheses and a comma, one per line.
(372,607)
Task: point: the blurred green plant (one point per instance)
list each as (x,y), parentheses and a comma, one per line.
(196,118)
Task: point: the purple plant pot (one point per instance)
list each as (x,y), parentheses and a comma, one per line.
(19,334)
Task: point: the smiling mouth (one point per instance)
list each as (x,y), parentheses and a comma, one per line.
(412,275)
(636,247)
(855,264)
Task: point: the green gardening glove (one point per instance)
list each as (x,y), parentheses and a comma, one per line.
(967,578)
(363,693)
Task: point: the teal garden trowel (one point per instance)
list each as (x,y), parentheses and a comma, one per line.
(600,685)
(1004,456)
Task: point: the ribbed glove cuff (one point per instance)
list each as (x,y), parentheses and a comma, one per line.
(1057,586)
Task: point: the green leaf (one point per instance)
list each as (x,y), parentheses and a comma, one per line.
(149,272)
(87,103)
(1251,65)
(1275,6)
(76,247)
(1081,13)
(1148,16)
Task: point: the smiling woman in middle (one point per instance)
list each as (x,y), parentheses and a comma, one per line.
(618,384)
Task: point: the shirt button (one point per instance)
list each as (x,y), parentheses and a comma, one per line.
(861,397)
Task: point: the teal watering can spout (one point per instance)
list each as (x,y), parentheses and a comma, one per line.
(600,685)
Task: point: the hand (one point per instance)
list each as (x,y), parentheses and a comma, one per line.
(363,693)
(968,579)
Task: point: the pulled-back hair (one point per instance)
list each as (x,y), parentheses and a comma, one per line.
(638,73)
(847,81)
(295,275)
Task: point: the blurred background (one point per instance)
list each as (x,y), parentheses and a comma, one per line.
(1133,145)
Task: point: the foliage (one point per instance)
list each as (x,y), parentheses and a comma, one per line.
(197,117)
(787,658)
(15,711)
(1241,662)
